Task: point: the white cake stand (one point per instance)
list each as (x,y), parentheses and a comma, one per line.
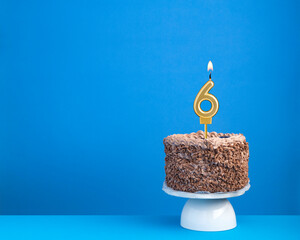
(207,211)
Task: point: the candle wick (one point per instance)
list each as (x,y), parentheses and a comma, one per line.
(210,76)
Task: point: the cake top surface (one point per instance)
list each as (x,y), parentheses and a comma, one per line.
(197,139)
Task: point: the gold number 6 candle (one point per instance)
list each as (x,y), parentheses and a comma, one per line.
(206,116)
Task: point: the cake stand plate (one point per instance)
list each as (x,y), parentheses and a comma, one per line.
(206,211)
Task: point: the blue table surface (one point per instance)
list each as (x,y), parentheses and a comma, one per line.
(141,227)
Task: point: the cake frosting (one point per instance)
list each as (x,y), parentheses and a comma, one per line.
(216,164)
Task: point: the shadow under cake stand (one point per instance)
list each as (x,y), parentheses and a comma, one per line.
(207,211)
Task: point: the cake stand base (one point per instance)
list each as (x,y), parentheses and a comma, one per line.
(206,211)
(208,215)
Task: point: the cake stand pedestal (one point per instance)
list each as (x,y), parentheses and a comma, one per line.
(207,211)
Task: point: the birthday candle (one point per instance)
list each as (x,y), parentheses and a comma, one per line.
(203,94)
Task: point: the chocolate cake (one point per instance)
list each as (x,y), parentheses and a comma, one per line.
(216,164)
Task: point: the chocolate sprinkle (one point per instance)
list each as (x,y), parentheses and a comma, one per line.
(216,164)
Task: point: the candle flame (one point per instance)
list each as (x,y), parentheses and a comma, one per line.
(210,66)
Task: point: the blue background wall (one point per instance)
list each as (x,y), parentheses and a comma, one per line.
(89,89)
